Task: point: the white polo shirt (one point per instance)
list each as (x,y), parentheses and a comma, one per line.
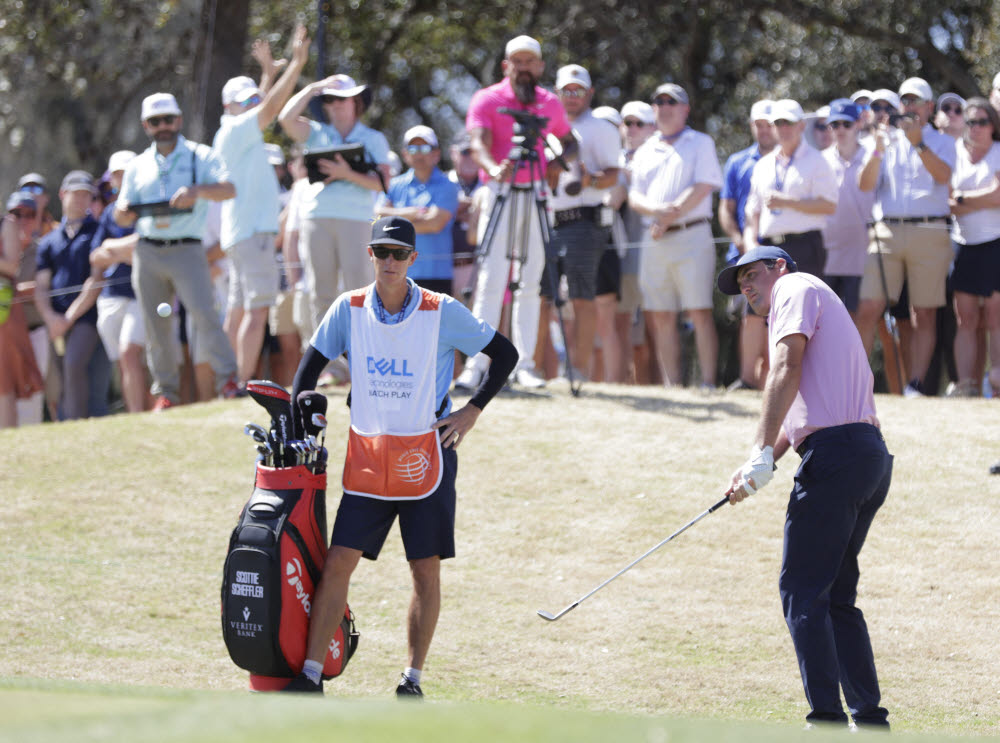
(662,171)
(982,225)
(804,175)
(600,148)
(905,187)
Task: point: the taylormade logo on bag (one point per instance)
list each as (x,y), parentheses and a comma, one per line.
(334,649)
(293,570)
(247,584)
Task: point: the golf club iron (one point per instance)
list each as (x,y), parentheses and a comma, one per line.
(549,616)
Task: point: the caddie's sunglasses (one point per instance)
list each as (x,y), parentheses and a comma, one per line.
(950,108)
(398,254)
(977,122)
(420,149)
(665,101)
(155,121)
(841,123)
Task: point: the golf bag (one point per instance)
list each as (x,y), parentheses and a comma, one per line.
(276,555)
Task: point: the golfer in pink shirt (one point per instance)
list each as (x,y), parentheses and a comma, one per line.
(818,400)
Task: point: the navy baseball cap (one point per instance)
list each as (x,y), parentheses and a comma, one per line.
(843,109)
(394,231)
(727,277)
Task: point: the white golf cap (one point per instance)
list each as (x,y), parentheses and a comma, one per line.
(572,74)
(421,132)
(238,89)
(673,90)
(274,154)
(918,87)
(863,93)
(641,110)
(822,112)
(761,110)
(786,110)
(945,97)
(119,160)
(523,44)
(343,86)
(159,104)
(609,114)
(884,94)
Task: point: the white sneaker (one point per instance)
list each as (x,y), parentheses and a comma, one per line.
(528,378)
(911,391)
(469,379)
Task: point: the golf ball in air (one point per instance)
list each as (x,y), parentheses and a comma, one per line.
(164,309)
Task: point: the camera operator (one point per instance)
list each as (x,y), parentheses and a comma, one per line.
(491,132)
(909,170)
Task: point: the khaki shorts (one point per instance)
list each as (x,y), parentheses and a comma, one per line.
(677,272)
(921,253)
(253,274)
(281,318)
(630,298)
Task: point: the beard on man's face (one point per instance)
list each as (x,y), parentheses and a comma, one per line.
(524,86)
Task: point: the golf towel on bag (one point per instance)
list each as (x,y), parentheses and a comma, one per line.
(276,556)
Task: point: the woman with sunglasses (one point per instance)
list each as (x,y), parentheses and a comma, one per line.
(949,118)
(19,374)
(335,215)
(975,278)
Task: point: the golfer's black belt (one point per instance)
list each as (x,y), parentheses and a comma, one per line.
(914,220)
(577,214)
(688,225)
(843,432)
(782,239)
(167,243)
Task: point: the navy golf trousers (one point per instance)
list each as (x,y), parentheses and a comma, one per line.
(841,483)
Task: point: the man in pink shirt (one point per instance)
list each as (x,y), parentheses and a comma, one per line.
(491,133)
(818,400)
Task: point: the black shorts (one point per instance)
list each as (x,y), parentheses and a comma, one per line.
(848,288)
(609,274)
(575,252)
(426,525)
(977,269)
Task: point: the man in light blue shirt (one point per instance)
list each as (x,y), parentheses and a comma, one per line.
(250,221)
(426,197)
(164,194)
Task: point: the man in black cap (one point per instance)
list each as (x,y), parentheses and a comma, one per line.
(818,400)
(400,341)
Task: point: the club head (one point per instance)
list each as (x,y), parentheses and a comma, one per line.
(547,615)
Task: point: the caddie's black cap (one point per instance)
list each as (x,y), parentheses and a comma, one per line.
(394,231)
(727,277)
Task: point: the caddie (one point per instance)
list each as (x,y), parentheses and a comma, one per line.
(400,341)
(818,400)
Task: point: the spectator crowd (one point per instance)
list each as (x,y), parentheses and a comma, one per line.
(191,268)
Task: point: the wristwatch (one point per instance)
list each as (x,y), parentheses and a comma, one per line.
(960,198)
(921,146)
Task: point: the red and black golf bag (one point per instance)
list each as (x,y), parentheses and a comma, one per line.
(276,556)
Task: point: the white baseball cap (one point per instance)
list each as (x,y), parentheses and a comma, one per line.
(573,74)
(761,110)
(523,44)
(884,94)
(609,114)
(863,93)
(159,104)
(119,160)
(421,132)
(343,86)
(786,110)
(641,110)
(916,86)
(238,89)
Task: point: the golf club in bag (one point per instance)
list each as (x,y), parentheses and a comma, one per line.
(549,616)
(274,563)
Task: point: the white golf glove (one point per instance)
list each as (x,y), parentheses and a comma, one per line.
(759,468)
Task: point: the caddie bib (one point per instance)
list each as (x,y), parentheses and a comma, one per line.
(392,451)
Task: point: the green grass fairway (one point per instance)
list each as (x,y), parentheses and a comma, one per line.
(115,531)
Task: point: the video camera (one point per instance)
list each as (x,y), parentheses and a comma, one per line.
(527,131)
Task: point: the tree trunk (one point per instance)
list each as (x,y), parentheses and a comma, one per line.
(222,39)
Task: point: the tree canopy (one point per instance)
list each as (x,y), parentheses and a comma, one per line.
(73,74)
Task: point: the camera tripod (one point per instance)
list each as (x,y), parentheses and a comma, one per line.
(524,155)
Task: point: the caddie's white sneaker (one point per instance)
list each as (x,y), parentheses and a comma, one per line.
(529,379)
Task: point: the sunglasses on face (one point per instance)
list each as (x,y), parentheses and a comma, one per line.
(252,100)
(155,121)
(977,122)
(841,123)
(881,107)
(911,101)
(952,109)
(665,101)
(633,123)
(576,93)
(420,149)
(821,127)
(32,188)
(331,98)
(398,254)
